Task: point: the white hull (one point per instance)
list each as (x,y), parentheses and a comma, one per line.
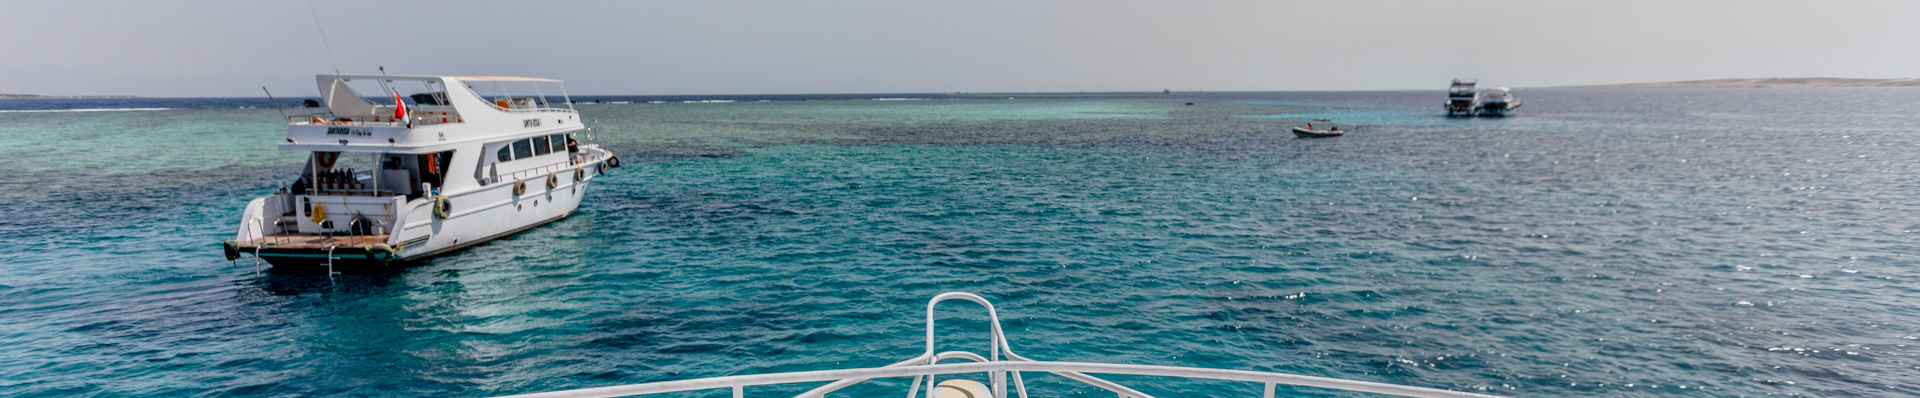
(485,214)
(475,216)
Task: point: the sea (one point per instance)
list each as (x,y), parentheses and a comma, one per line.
(1630,243)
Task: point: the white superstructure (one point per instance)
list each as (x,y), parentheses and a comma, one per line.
(1497,101)
(1462,99)
(1002,369)
(404,167)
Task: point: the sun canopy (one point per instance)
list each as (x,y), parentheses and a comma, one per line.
(463,78)
(504,79)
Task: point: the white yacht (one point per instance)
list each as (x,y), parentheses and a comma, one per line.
(422,166)
(1462,99)
(1001,369)
(1497,101)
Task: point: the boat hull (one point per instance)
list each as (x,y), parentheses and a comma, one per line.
(492,211)
(362,256)
(1303,132)
(1497,109)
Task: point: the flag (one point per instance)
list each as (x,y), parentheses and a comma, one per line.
(399,108)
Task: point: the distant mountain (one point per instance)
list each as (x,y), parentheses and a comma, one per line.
(38,96)
(1767,83)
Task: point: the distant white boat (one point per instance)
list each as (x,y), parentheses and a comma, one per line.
(1304,132)
(450,170)
(1462,99)
(1497,101)
(1310,132)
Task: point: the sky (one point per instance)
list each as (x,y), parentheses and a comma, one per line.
(196,48)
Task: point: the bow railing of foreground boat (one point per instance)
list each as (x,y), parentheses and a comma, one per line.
(924,367)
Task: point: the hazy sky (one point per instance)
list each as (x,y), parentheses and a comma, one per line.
(231,48)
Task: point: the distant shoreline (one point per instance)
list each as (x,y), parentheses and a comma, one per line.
(1773,82)
(38,96)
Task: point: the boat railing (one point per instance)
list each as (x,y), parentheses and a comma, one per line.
(999,372)
(540,109)
(424,118)
(587,158)
(257,225)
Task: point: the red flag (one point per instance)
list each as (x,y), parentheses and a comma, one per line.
(399,108)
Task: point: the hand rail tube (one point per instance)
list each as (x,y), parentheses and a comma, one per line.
(926,365)
(1005,366)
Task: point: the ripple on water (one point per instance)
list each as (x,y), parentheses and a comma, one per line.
(1564,251)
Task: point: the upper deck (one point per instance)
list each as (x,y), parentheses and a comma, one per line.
(423,114)
(1462,88)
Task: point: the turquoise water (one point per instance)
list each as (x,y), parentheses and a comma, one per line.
(1618,243)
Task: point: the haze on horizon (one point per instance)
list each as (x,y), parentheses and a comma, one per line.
(231,47)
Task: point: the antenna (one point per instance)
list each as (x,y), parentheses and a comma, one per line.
(276,103)
(323,37)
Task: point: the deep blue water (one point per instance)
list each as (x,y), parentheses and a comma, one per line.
(1601,242)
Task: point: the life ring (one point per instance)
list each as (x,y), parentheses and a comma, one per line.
(553,181)
(614,162)
(319,212)
(379,253)
(232,250)
(519,187)
(579,174)
(442,207)
(601,168)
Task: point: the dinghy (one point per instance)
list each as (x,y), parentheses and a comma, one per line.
(1310,132)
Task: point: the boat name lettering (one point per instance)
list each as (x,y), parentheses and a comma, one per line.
(357,132)
(531,122)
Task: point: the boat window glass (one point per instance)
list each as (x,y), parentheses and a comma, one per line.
(522,149)
(541,146)
(506,153)
(559,141)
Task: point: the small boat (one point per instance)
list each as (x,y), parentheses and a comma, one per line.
(1304,132)
(1462,99)
(1497,101)
(389,180)
(1310,132)
(948,374)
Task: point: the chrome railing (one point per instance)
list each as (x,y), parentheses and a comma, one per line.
(586,160)
(542,109)
(420,117)
(926,366)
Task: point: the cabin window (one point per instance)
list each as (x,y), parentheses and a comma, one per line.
(506,153)
(541,145)
(559,141)
(522,149)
